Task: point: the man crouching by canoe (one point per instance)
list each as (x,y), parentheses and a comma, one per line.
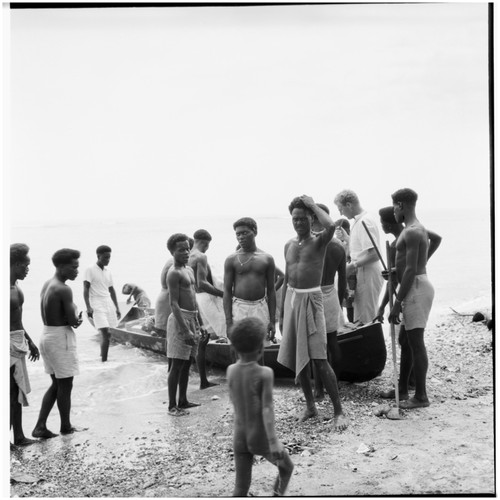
(302,319)
(183,325)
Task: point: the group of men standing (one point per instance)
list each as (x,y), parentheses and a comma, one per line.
(191,302)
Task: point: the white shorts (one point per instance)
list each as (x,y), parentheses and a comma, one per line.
(104,313)
(58,349)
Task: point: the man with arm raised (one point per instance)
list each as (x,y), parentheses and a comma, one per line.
(302,320)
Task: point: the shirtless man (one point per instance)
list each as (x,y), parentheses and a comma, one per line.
(335,263)
(162,306)
(58,341)
(183,326)
(137,295)
(20,343)
(413,298)
(302,320)
(249,280)
(208,296)
(391,226)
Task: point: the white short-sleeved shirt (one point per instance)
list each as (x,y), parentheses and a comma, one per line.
(360,241)
(100,280)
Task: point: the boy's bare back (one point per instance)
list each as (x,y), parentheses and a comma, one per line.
(250,389)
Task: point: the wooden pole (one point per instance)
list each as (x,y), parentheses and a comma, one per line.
(393,330)
(374,245)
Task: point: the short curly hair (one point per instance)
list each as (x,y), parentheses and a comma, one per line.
(174,239)
(247,335)
(18,253)
(246,221)
(387,215)
(65,256)
(202,234)
(102,249)
(405,195)
(298,203)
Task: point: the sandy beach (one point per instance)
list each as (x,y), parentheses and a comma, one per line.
(140,451)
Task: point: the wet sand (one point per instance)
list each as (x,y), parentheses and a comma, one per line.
(138,450)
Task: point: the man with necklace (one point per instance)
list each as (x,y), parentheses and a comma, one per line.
(302,318)
(249,280)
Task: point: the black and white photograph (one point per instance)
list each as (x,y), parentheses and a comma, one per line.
(251,249)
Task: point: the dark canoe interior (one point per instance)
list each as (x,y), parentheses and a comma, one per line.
(364,352)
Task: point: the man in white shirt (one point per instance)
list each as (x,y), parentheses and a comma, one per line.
(364,263)
(100,297)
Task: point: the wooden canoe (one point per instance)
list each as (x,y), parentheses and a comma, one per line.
(363,350)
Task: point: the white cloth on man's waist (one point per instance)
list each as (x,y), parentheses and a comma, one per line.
(58,350)
(18,350)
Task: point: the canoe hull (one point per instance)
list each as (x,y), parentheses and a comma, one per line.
(363,350)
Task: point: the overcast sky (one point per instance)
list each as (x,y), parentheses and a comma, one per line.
(128,112)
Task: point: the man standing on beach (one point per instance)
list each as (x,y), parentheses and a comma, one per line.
(20,344)
(208,296)
(249,280)
(100,297)
(302,320)
(413,298)
(58,342)
(364,262)
(334,265)
(183,326)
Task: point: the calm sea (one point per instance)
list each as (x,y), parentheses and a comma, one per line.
(460,272)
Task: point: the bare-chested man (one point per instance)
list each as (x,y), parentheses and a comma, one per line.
(302,321)
(391,226)
(413,298)
(249,280)
(183,326)
(335,264)
(20,344)
(58,341)
(162,306)
(208,296)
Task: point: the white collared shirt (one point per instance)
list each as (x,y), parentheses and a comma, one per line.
(360,241)
(100,280)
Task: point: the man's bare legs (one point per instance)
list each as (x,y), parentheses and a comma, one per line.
(60,392)
(183,384)
(420,366)
(330,383)
(105,337)
(16,414)
(305,383)
(334,358)
(200,363)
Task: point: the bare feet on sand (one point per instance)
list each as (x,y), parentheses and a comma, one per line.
(391,394)
(308,413)
(414,403)
(187,404)
(340,422)
(72,430)
(24,441)
(43,433)
(207,385)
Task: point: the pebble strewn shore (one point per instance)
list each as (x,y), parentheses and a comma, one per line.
(446,448)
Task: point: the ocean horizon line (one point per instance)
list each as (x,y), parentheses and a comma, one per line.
(118,220)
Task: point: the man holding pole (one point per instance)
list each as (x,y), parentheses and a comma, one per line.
(364,259)
(414,296)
